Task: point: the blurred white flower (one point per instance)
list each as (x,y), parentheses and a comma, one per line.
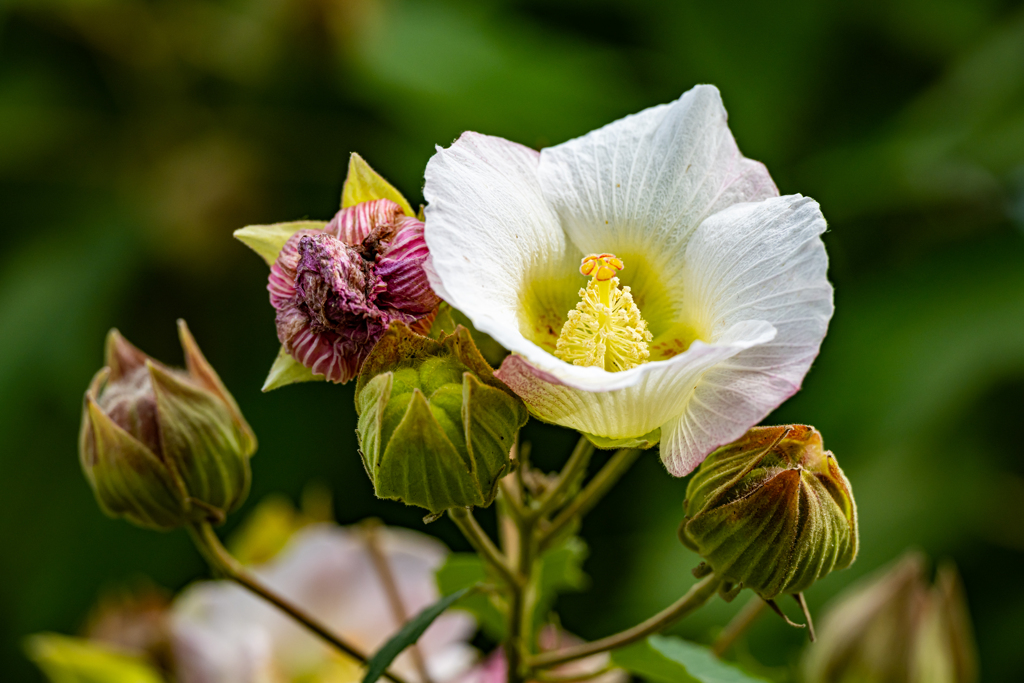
(223,634)
(724,300)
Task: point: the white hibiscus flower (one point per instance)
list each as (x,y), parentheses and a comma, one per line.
(715,318)
(224,634)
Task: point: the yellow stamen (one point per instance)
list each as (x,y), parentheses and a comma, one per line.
(605,329)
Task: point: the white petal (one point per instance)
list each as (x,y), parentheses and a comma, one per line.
(761,261)
(639,187)
(492,236)
(658,395)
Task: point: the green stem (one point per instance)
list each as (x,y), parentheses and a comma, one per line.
(222,562)
(739,625)
(694,598)
(602,482)
(483,544)
(574,468)
(518,615)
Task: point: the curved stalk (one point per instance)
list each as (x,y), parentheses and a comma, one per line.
(483,544)
(222,562)
(739,625)
(694,598)
(575,467)
(602,482)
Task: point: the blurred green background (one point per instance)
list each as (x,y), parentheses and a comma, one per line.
(136,135)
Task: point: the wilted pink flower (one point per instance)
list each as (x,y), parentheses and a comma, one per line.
(337,289)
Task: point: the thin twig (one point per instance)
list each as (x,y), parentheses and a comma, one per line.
(694,598)
(602,482)
(222,562)
(575,467)
(394,597)
(483,544)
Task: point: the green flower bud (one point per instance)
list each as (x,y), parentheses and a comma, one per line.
(163,447)
(895,628)
(771,512)
(435,425)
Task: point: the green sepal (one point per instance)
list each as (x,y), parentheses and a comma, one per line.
(772,511)
(435,426)
(363,184)
(421,466)
(128,479)
(286,370)
(204,442)
(75,660)
(648,440)
(268,240)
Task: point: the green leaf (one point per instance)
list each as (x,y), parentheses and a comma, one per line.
(286,370)
(363,184)
(559,570)
(465,570)
(408,635)
(666,659)
(267,240)
(75,660)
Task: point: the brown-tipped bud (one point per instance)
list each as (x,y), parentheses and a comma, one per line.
(895,628)
(163,447)
(772,511)
(435,426)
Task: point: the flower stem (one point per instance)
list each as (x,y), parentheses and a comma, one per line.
(394,597)
(483,544)
(221,562)
(694,598)
(602,482)
(739,625)
(574,469)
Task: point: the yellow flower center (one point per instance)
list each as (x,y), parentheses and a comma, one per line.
(605,329)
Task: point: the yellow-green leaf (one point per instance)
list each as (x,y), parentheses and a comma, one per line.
(75,660)
(287,370)
(267,240)
(363,184)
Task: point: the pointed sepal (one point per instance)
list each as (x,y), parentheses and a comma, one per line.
(363,184)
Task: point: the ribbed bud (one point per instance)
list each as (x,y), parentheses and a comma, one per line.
(896,628)
(435,426)
(771,512)
(336,290)
(163,447)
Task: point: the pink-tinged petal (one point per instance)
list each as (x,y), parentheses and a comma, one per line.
(401,267)
(355,223)
(659,394)
(766,261)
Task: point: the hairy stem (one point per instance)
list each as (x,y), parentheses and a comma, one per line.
(694,598)
(602,482)
(222,562)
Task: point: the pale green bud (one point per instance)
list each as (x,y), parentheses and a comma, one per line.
(163,447)
(771,512)
(896,628)
(435,426)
